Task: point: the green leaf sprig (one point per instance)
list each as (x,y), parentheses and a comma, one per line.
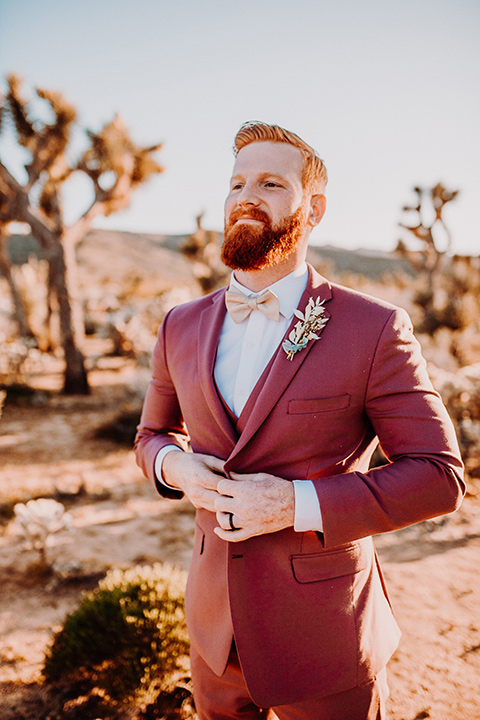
(307,328)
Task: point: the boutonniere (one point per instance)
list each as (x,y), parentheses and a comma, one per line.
(307,328)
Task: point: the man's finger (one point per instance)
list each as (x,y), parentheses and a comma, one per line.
(225,486)
(223,503)
(225,520)
(205,499)
(215,464)
(252,477)
(208,480)
(232,536)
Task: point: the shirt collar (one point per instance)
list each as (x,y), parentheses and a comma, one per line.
(288,289)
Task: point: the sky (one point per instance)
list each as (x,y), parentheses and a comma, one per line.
(386,91)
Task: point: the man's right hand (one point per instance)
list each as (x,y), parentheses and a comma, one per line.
(196,475)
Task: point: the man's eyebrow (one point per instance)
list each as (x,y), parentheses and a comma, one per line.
(273,175)
(262,176)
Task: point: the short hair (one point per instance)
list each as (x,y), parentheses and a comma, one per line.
(314,173)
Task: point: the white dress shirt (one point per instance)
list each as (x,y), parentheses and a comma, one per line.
(244,350)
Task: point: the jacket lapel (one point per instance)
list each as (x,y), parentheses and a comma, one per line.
(209,329)
(282,370)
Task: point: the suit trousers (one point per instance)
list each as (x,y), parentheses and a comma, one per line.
(227,698)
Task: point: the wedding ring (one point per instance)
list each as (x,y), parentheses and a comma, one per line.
(230,520)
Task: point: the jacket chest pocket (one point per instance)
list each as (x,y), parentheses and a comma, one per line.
(311,406)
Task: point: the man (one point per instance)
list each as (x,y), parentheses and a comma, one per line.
(286,606)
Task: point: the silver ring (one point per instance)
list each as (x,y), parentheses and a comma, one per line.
(230,520)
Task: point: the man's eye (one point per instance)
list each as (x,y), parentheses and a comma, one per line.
(271,184)
(237,186)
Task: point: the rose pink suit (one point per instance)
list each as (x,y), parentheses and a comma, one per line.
(309,611)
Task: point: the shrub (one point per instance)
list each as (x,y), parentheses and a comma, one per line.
(38,520)
(127,631)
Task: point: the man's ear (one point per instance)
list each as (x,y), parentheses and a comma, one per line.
(318,204)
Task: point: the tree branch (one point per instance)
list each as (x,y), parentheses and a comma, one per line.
(23,211)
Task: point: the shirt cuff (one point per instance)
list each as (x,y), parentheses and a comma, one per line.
(308,515)
(159,462)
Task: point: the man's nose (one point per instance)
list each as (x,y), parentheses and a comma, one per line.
(247,197)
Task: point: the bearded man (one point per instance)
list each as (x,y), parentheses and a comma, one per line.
(284,385)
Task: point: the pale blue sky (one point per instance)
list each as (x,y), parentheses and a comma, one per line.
(387,91)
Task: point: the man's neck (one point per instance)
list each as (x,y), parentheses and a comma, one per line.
(258,280)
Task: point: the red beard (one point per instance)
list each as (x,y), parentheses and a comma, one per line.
(251,247)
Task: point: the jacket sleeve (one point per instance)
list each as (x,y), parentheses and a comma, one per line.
(161,422)
(423,478)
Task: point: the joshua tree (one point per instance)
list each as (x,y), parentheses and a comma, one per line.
(430,257)
(115,167)
(438,297)
(203,250)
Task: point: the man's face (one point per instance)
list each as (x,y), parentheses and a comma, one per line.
(265,214)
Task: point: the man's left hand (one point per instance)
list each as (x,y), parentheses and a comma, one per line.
(259,503)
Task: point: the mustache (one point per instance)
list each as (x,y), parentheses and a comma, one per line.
(253,213)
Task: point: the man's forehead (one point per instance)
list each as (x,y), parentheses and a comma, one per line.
(269,157)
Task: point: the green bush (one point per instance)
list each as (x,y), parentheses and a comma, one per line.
(127,631)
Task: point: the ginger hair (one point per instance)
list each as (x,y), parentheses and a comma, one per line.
(314,173)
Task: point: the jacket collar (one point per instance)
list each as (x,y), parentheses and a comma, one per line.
(209,329)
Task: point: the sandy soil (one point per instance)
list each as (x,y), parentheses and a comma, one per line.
(49,449)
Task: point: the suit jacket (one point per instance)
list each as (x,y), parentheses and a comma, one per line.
(309,611)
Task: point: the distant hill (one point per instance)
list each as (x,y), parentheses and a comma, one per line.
(109,255)
(369,263)
(115,254)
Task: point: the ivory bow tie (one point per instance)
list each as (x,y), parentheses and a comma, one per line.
(240,306)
